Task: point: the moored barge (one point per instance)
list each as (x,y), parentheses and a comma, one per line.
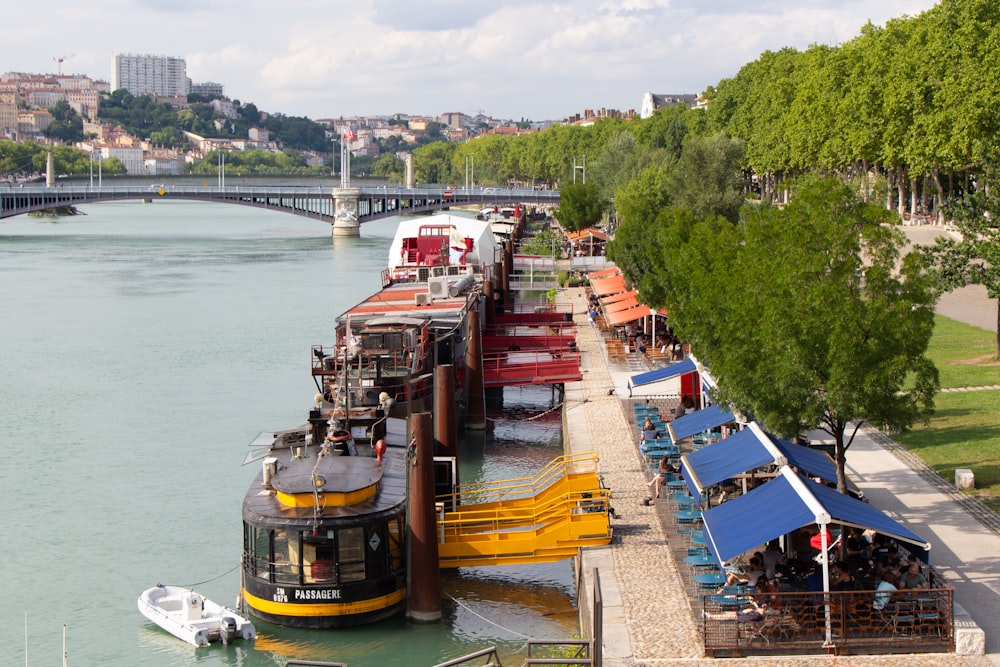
(325,519)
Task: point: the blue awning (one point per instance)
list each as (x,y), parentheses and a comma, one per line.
(784,504)
(746,450)
(730,456)
(698,422)
(665,373)
(813,462)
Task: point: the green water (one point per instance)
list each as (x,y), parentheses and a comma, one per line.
(142,347)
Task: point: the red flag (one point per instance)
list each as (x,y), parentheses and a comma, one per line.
(349,134)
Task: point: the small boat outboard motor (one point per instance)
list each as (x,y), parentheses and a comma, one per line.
(227,629)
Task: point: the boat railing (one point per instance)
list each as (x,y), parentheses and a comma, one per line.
(545,522)
(543,307)
(557,469)
(330,361)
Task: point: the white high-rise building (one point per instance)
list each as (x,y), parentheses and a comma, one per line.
(160,75)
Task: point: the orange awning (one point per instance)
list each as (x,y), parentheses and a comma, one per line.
(612,285)
(621,296)
(623,316)
(621,305)
(603,273)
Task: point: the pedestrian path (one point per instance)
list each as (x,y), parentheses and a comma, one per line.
(648,617)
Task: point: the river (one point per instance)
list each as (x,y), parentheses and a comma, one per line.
(143,346)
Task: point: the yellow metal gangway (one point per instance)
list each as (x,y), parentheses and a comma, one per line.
(544,518)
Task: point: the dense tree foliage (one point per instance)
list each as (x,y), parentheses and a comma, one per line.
(164,125)
(390,167)
(912,103)
(802,316)
(256,162)
(580,206)
(28,159)
(66,125)
(298,133)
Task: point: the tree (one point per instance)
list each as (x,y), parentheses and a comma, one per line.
(432,163)
(580,206)
(391,167)
(708,180)
(804,318)
(975,258)
(66,125)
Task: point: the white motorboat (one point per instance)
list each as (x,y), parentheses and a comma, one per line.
(188,615)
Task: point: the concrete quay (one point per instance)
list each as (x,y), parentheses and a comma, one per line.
(649,615)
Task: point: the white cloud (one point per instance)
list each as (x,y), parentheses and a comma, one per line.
(513,58)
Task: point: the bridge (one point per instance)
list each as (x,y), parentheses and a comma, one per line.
(344,208)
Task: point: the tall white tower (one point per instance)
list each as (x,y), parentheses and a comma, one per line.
(159,75)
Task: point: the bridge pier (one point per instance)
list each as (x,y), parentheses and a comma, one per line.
(345,208)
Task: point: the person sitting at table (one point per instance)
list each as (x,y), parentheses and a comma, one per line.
(752,575)
(662,471)
(649,431)
(841,579)
(913,578)
(886,588)
(773,558)
(766,602)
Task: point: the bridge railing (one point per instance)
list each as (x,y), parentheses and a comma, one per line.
(438,192)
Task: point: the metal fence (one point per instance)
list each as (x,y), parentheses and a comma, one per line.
(911,621)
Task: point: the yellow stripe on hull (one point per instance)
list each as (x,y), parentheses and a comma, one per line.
(327,499)
(324,608)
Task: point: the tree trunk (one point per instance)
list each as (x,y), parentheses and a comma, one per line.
(900,191)
(840,457)
(998,330)
(938,198)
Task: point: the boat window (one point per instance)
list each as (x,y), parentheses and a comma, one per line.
(287,558)
(319,553)
(351,549)
(259,547)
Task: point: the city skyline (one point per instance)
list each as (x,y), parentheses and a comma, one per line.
(511,59)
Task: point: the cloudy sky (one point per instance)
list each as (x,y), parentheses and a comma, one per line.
(509,58)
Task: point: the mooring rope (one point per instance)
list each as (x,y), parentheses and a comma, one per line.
(478,615)
(212,579)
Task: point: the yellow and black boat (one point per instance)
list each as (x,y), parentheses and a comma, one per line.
(323,533)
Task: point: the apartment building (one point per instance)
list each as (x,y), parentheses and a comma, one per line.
(144,74)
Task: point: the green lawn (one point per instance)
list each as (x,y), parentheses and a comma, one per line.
(965,429)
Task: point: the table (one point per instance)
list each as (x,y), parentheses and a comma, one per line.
(703,560)
(677,485)
(688,516)
(709,579)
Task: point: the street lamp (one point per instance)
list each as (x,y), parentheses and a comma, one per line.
(222,169)
(470,161)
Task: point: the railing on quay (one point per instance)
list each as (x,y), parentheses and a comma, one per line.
(912,621)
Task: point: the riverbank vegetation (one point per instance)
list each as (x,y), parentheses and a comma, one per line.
(761,222)
(22,160)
